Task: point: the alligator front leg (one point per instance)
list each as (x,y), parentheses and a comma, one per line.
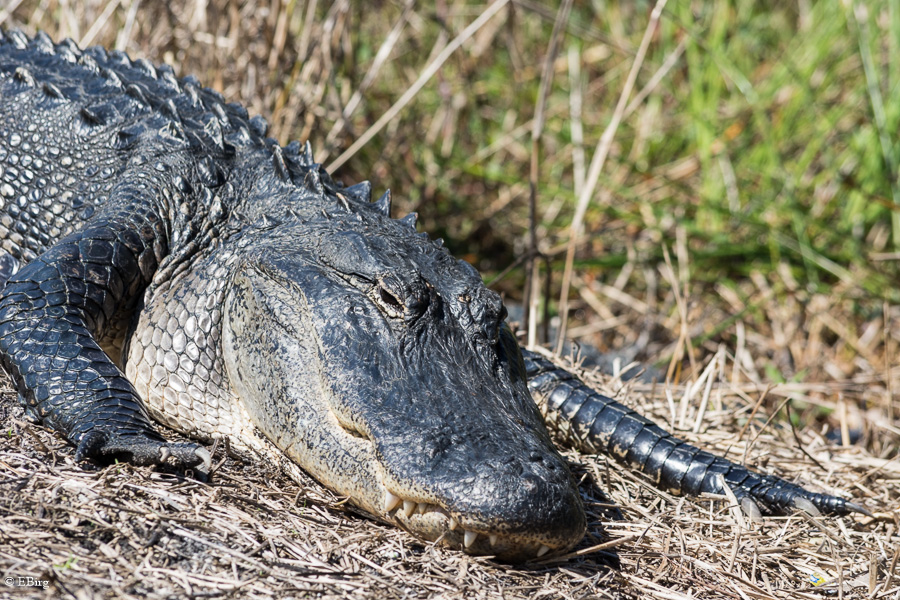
(600,424)
(52,314)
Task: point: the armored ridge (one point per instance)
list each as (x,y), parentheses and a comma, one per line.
(164,260)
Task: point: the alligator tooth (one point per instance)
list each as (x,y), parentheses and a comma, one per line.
(391,500)
(493,537)
(453,524)
(409,507)
(469,538)
(421,508)
(543,550)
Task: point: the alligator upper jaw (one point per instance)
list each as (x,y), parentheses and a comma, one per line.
(362,478)
(498,504)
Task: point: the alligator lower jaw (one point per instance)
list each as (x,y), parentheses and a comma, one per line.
(434,523)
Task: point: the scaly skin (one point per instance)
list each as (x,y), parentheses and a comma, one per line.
(598,424)
(165,260)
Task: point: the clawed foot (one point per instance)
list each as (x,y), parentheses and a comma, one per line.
(770,495)
(143,449)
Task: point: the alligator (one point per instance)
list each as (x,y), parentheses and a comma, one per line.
(162,259)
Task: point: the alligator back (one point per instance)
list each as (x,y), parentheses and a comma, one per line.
(69,119)
(91,140)
(73,125)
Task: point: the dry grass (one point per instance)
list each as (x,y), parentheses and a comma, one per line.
(131,532)
(122,531)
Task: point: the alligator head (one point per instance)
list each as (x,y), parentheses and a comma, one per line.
(396,382)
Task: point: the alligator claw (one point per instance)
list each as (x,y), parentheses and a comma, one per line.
(806,506)
(772,495)
(751,509)
(859,508)
(202,469)
(90,446)
(142,449)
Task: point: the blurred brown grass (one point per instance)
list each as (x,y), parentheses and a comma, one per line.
(768,263)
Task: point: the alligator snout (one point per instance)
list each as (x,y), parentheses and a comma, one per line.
(515,499)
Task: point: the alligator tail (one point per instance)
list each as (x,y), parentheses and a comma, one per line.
(598,424)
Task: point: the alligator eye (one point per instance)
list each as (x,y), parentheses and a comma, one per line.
(388,302)
(389,299)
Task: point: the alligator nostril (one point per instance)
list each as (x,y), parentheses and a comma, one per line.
(529,483)
(535,457)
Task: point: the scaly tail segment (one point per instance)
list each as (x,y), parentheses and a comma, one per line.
(598,424)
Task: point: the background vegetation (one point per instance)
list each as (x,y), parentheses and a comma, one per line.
(761,151)
(747,203)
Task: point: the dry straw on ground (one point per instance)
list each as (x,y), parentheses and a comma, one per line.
(251,532)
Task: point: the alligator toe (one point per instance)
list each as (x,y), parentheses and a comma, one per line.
(144,449)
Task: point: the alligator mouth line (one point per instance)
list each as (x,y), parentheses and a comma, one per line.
(451,529)
(429,520)
(420,513)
